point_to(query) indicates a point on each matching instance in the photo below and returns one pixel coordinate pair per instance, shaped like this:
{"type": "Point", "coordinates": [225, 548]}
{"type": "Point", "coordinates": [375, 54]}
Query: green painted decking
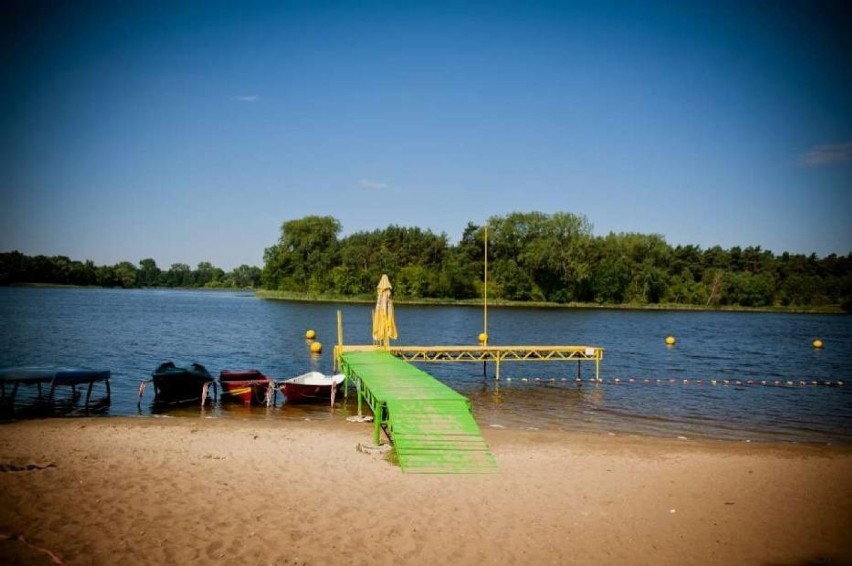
{"type": "Point", "coordinates": [431, 425]}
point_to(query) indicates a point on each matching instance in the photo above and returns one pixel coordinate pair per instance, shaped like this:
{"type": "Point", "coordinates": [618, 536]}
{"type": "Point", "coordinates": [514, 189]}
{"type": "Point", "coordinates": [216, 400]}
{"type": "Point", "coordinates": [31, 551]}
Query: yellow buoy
{"type": "Point", "coordinates": [316, 347]}
{"type": "Point", "coordinates": [310, 334]}
{"type": "Point", "coordinates": [483, 338]}
{"type": "Point", "coordinates": [670, 340]}
{"type": "Point", "coordinates": [817, 343]}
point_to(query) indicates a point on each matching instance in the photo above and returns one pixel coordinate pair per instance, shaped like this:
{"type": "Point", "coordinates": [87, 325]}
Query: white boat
{"type": "Point", "coordinates": [310, 386]}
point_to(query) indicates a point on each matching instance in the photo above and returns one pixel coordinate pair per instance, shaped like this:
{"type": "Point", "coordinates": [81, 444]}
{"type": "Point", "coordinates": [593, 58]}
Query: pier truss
{"type": "Point", "coordinates": [495, 354]}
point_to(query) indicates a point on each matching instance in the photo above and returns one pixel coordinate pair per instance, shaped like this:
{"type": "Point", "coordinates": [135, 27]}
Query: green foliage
{"type": "Point", "coordinates": [532, 256]}
{"type": "Point", "coordinates": [539, 256]}
{"type": "Point", "coordinates": [304, 256]}
{"type": "Point", "coordinates": [149, 274]}
{"type": "Point", "coordinates": [243, 277]}
{"type": "Point", "coordinates": [749, 289]}
{"type": "Point", "coordinates": [15, 267]}
{"type": "Point", "coordinates": [179, 275]}
{"type": "Point", "coordinates": [125, 274]}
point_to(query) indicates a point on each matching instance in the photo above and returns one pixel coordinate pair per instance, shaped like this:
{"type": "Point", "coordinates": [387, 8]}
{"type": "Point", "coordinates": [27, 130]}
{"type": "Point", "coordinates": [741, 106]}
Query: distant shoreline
{"type": "Point", "coordinates": [322, 298]}
{"type": "Point", "coordinates": [319, 298]}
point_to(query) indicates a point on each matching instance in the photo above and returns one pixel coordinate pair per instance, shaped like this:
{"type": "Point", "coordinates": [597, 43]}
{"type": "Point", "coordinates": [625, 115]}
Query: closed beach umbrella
{"type": "Point", "coordinates": [384, 325]}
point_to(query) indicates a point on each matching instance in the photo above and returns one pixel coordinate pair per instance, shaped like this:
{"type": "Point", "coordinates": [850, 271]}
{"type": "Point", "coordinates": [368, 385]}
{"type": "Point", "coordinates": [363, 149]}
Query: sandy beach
{"type": "Point", "coordinates": [228, 491]}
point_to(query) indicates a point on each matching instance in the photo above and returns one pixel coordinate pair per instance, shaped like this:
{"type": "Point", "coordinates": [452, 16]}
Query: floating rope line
{"type": "Point", "coordinates": [686, 381]}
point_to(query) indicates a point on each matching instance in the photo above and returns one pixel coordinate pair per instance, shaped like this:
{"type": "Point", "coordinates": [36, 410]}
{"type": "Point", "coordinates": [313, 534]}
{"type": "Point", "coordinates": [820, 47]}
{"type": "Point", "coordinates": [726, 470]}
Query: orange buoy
{"type": "Point", "coordinates": [316, 348]}
{"type": "Point", "coordinates": [310, 334]}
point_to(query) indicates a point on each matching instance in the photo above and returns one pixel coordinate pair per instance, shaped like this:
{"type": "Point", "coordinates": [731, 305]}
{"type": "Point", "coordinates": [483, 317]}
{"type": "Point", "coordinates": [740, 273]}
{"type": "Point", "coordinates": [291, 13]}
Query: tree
{"type": "Point", "coordinates": [304, 256]}
{"type": "Point", "coordinates": [553, 257]}
{"type": "Point", "coordinates": [125, 274]}
{"type": "Point", "coordinates": [684, 289]}
{"type": "Point", "coordinates": [207, 275]}
{"type": "Point", "coordinates": [179, 275]}
{"type": "Point", "coordinates": [459, 277]}
{"type": "Point", "coordinates": [359, 270]}
{"type": "Point", "coordinates": [548, 254]}
{"type": "Point", "coordinates": [513, 283]}
{"type": "Point", "coordinates": [611, 277]}
{"type": "Point", "coordinates": [413, 281]}
{"type": "Point", "coordinates": [749, 290]}
{"type": "Point", "coordinates": [83, 273]}
{"type": "Point", "coordinates": [244, 277]}
{"type": "Point", "coordinates": [557, 254]}
{"type": "Point", "coordinates": [149, 274]}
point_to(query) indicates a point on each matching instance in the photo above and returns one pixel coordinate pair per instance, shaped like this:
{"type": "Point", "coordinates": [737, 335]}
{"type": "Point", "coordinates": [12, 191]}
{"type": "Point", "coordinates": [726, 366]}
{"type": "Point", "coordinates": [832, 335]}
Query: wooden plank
{"type": "Point", "coordinates": [451, 462]}
{"type": "Point", "coordinates": [420, 446]}
{"type": "Point", "coordinates": [457, 426]}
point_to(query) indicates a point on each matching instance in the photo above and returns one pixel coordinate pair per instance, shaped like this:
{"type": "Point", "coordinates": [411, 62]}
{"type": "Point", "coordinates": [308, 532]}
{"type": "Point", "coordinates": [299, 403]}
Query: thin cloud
{"type": "Point", "coordinates": [248, 98]}
{"type": "Point", "coordinates": [372, 185]}
{"type": "Point", "coordinates": [827, 154]}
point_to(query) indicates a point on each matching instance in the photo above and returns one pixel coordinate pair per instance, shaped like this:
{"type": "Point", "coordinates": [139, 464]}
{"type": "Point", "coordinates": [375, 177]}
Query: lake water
{"type": "Point", "coordinates": [131, 331]}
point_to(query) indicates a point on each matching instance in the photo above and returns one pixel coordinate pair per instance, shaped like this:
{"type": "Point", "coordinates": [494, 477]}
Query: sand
{"type": "Point", "coordinates": [228, 491]}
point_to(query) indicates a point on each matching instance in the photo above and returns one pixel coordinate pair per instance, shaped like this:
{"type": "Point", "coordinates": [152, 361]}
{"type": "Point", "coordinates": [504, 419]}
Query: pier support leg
{"type": "Point", "coordinates": [377, 424]}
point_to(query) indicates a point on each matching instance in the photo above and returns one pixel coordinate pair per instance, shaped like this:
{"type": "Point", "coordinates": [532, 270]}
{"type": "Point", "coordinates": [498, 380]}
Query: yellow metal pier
{"type": "Point", "coordinates": [496, 354]}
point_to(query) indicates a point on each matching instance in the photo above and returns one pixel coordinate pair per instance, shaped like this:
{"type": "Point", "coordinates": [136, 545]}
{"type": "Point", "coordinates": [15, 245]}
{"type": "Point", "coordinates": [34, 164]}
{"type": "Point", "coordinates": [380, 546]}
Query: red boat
{"type": "Point", "coordinates": [249, 386]}
{"type": "Point", "coordinates": [311, 386]}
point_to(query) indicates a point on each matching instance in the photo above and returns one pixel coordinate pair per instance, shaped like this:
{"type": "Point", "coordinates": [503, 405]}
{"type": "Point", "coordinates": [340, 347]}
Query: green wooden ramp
{"type": "Point", "coordinates": [431, 426]}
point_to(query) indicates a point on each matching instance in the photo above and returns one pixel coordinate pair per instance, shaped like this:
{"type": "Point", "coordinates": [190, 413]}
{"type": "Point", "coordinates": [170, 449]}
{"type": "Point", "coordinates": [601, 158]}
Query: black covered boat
{"type": "Point", "coordinates": [174, 384]}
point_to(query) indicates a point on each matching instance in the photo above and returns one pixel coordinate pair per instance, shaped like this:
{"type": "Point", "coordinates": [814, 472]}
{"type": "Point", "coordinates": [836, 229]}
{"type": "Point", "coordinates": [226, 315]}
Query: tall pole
{"type": "Point", "coordinates": [485, 291]}
{"type": "Point", "coordinates": [483, 338]}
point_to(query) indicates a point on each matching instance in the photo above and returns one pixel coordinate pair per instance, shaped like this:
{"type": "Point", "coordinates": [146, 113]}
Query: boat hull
{"type": "Point", "coordinates": [249, 387]}
{"type": "Point", "coordinates": [310, 387]}
{"type": "Point", "coordinates": [175, 385]}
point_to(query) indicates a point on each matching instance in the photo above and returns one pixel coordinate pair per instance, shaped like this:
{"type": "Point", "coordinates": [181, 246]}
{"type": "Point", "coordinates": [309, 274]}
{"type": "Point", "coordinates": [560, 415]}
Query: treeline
{"type": "Point", "coordinates": [532, 257]}
{"type": "Point", "coordinates": [16, 267]}
{"type": "Point", "coordinates": [551, 258]}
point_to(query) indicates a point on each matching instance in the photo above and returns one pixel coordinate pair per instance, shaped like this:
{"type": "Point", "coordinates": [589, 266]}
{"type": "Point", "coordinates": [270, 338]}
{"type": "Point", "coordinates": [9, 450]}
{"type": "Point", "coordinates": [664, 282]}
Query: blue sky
{"type": "Point", "coordinates": [189, 131]}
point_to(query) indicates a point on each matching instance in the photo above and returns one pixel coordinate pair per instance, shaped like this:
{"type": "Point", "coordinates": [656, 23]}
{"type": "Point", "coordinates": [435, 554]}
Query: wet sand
{"type": "Point", "coordinates": [231, 491]}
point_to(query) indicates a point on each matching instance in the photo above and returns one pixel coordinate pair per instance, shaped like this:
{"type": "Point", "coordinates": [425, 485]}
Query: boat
{"type": "Point", "coordinates": [12, 379]}
{"type": "Point", "coordinates": [176, 385]}
{"type": "Point", "coordinates": [311, 386]}
{"type": "Point", "coordinates": [249, 386]}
